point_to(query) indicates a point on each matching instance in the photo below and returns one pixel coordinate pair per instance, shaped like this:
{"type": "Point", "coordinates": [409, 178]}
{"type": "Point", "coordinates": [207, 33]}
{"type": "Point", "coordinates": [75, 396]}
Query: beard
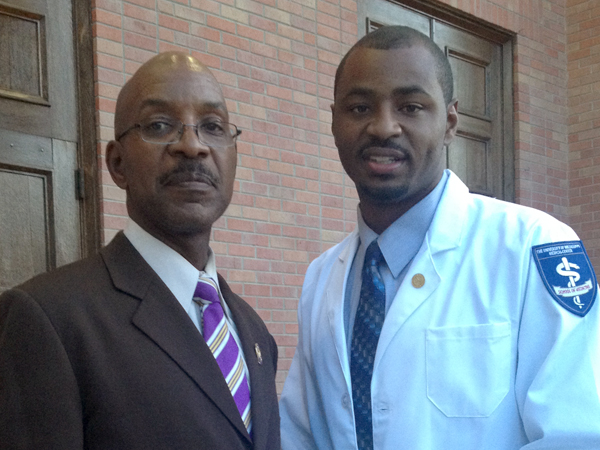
{"type": "Point", "coordinates": [381, 195]}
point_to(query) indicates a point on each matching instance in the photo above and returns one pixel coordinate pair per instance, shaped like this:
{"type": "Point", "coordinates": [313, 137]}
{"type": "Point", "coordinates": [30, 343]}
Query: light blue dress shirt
{"type": "Point", "coordinates": [399, 244]}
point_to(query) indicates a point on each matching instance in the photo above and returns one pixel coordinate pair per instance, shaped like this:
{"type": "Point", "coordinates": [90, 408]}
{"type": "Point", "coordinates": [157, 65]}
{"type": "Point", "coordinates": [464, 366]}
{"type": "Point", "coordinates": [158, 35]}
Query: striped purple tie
{"type": "Point", "coordinates": [223, 346]}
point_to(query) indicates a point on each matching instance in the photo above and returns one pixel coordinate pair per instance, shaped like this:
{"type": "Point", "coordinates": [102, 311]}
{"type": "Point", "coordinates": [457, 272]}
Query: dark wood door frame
{"type": "Point", "coordinates": [88, 180]}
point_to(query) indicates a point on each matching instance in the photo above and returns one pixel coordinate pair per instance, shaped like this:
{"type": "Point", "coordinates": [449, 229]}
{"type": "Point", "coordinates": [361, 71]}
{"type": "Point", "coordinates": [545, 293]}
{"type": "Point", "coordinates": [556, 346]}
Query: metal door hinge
{"type": "Point", "coordinates": [79, 184]}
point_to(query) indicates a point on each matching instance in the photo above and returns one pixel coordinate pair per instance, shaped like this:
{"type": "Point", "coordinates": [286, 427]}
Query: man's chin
{"type": "Point", "coordinates": [381, 195]}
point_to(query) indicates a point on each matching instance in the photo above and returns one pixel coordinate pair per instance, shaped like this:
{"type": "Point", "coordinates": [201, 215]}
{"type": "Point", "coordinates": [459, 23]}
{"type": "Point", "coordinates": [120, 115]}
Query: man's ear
{"type": "Point", "coordinates": [332, 106]}
{"type": "Point", "coordinates": [451, 121]}
{"type": "Point", "coordinates": [115, 163]}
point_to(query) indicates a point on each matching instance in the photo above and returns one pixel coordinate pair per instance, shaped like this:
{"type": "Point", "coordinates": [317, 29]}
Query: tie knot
{"type": "Point", "coordinates": [373, 255]}
{"type": "Point", "coordinates": [206, 290]}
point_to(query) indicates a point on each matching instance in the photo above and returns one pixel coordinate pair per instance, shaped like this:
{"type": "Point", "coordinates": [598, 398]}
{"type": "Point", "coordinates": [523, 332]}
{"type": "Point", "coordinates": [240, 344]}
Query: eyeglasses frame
{"type": "Point", "coordinates": [183, 125]}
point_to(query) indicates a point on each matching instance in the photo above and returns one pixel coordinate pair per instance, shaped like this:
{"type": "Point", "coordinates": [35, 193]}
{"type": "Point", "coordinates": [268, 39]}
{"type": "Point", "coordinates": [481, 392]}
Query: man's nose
{"type": "Point", "coordinates": [385, 124]}
{"type": "Point", "coordinates": [189, 143]}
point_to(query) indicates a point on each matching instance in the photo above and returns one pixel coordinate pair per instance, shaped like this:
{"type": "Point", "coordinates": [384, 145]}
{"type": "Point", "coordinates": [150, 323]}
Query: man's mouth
{"type": "Point", "coordinates": [383, 152]}
{"type": "Point", "coordinates": [383, 159]}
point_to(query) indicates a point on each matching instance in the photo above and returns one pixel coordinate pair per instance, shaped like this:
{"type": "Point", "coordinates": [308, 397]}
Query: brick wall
{"type": "Point", "coordinates": [583, 20]}
{"type": "Point", "coordinates": [276, 61]}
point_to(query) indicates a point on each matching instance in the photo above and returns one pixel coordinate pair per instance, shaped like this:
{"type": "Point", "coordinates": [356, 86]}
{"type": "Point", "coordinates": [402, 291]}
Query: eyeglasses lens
{"type": "Point", "coordinates": [216, 134]}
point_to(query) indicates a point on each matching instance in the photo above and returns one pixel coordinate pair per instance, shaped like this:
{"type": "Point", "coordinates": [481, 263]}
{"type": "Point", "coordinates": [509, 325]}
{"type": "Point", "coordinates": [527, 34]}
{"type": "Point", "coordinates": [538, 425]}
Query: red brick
{"type": "Point", "coordinates": [137, 40]}
{"type": "Point", "coordinates": [261, 23]}
{"type": "Point", "coordinates": [151, 4]}
{"type": "Point", "coordinates": [168, 47]}
{"type": "Point", "coordinates": [108, 5]}
{"type": "Point", "coordinates": [138, 55]}
{"type": "Point", "coordinates": [136, 12]}
{"type": "Point", "coordinates": [235, 41]}
{"type": "Point", "coordinates": [99, 16]}
{"type": "Point", "coordinates": [106, 32]}
{"type": "Point", "coordinates": [304, 24]}
{"type": "Point", "coordinates": [227, 236]}
{"type": "Point", "coordinates": [220, 24]}
{"type": "Point", "coordinates": [174, 23]}
{"type": "Point", "coordinates": [138, 26]}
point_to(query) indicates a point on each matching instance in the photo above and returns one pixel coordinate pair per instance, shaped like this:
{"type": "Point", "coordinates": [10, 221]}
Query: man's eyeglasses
{"type": "Point", "coordinates": [169, 131]}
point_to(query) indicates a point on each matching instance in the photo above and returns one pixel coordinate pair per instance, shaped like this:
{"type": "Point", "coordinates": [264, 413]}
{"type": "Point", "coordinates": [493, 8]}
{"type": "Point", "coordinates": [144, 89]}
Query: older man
{"type": "Point", "coordinates": [144, 346]}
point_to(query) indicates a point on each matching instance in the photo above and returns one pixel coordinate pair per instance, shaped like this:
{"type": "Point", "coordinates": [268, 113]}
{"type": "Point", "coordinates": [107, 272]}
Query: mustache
{"type": "Point", "coordinates": [189, 170]}
{"type": "Point", "coordinates": [385, 143]}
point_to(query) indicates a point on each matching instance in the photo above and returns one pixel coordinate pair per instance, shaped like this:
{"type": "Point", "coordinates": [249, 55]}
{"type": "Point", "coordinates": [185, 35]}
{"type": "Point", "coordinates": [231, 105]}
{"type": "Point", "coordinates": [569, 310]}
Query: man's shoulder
{"type": "Point", "coordinates": [458, 203]}
{"type": "Point", "coordinates": [66, 278]}
{"type": "Point", "coordinates": [503, 210]}
{"type": "Point", "coordinates": [510, 222]}
{"type": "Point", "coordinates": [341, 249]}
{"type": "Point", "coordinates": [62, 295]}
{"type": "Point", "coordinates": [70, 283]}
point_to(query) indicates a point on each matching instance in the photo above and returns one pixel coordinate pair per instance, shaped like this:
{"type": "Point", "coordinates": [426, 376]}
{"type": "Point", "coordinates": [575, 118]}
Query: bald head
{"type": "Point", "coordinates": [161, 68]}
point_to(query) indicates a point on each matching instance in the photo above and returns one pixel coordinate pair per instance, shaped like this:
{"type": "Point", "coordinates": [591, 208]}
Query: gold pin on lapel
{"type": "Point", "coordinates": [418, 280]}
{"type": "Point", "coordinates": [258, 353]}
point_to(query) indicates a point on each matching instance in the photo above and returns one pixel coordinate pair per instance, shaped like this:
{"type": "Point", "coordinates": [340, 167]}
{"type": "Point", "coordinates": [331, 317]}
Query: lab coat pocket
{"type": "Point", "coordinates": [468, 368]}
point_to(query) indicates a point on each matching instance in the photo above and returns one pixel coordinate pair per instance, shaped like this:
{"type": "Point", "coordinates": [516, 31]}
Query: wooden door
{"type": "Point", "coordinates": [40, 213]}
{"type": "Point", "coordinates": [482, 152]}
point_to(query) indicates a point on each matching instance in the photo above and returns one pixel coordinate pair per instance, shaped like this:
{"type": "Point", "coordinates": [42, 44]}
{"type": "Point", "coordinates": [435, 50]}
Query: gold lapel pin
{"type": "Point", "coordinates": [418, 280]}
{"type": "Point", "coordinates": [258, 353]}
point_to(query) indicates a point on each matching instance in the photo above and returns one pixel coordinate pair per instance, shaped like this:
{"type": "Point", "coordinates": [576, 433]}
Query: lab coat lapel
{"type": "Point", "coordinates": [434, 254]}
{"type": "Point", "coordinates": [409, 298]}
{"type": "Point", "coordinates": [163, 320]}
{"type": "Point", "coordinates": [336, 288]}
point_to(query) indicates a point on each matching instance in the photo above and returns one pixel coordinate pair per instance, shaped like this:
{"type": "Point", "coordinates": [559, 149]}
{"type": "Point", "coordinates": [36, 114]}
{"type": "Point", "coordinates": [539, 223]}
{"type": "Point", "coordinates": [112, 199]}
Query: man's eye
{"type": "Point", "coordinates": [158, 127]}
{"type": "Point", "coordinates": [359, 109]}
{"type": "Point", "coordinates": [214, 128]}
{"type": "Point", "coordinates": [411, 108]}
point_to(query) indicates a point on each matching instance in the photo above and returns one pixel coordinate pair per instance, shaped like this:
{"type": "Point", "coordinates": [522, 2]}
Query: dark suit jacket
{"type": "Point", "coordinates": [100, 355]}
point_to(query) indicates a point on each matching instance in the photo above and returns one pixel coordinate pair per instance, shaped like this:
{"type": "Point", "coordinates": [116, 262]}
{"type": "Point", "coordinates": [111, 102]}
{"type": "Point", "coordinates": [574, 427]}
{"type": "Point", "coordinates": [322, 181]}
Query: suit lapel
{"type": "Point", "coordinates": [261, 375]}
{"type": "Point", "coordinates": [161, 317]}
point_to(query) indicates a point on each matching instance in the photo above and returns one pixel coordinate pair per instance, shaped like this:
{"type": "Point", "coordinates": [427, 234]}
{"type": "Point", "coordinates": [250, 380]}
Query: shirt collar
{"type": "Point", "coordinates": [174, 270]}
{"type": "Point", "coordinates": [400, 242]}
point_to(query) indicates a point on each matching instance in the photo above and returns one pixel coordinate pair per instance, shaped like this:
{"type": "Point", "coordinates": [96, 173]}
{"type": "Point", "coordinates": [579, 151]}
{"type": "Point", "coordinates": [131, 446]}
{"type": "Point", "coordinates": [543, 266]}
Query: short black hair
{"type": "Point", "coordinates": [393, 37]}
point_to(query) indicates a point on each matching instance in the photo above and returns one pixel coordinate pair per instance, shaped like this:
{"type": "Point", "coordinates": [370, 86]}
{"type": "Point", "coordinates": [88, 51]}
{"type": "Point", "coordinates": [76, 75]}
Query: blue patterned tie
{"type": "Point", "coordinates": [370, 315]}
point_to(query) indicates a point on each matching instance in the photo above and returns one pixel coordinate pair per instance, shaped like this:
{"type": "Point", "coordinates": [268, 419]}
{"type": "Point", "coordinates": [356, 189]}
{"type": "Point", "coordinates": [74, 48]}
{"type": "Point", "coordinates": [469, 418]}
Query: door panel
{"type": "Point", "coordinates": [477, 67]}
{"type": "Point", "coordinates": [40, 224]}
{"type": "Point", "coordinates": [481, 154]}
{"type": "Point", "coordinates": [468, 158]}
{"type": "Point", "coordinates": [23, 200]}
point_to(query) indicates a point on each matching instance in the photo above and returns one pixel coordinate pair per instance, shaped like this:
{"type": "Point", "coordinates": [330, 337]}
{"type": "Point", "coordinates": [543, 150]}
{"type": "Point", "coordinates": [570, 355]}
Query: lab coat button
{"type": "Point", "coordinates": [383, 407]}
{"type": "Point", "coordinates": [345, 401]}
{"type": "Point", "coordinates": [418, 281]}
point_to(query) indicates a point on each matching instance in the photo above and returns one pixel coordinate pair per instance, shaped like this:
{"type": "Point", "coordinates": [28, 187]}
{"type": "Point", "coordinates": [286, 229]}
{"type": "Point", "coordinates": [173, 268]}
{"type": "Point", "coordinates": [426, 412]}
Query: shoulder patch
{"type": "Point", "coordinates": [567, 274]}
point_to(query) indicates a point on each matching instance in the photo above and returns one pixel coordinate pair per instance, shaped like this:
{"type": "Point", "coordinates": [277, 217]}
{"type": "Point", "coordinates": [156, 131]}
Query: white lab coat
{"type": "Point", "coordinates": [480, 357]}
